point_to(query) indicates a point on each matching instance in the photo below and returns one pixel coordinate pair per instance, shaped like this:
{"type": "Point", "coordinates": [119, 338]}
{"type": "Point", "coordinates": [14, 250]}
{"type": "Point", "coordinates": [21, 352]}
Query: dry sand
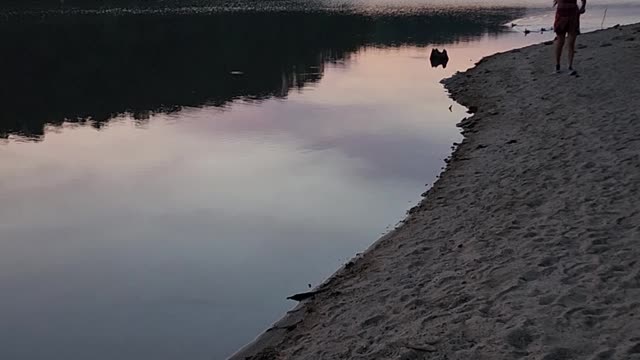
{"type": "Point", "coordinates": [527, 247]}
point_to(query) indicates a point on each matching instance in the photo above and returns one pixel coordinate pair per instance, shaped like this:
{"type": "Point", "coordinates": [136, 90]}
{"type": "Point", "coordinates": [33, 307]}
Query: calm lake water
{"type": "Point", "coordinates": [169, 176]}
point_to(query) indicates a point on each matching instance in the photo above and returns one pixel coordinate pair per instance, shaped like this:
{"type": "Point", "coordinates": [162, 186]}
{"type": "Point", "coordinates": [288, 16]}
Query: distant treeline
{"type": "Point", "coordinates": [93, 3]}
{"type": "Point", "coordinates": [93, 67]}
{"type": "Point", "coordinates": [97, 4]}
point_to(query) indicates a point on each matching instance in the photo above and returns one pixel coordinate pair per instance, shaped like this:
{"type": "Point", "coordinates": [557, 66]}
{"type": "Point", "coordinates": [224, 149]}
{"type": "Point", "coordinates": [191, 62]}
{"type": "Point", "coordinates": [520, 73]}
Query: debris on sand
{"type": "Point", "coordinates": [304, 295]}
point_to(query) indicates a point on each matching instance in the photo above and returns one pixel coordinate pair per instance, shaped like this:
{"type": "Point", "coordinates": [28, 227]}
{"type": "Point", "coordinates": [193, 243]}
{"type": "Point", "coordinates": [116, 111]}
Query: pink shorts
{"type": "Point", "coordinates": [567, 24]}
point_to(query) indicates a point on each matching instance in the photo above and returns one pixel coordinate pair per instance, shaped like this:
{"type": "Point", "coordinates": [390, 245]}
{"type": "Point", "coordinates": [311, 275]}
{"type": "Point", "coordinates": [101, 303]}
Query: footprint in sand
{"type": "Point", "coordinates": [519, 338]}
{"type": "Point", "coordinates": [560, 353]}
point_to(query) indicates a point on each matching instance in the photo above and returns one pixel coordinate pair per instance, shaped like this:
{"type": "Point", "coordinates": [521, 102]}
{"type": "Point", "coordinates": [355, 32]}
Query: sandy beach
{"type": "Point", "coordinates": [527, 246]}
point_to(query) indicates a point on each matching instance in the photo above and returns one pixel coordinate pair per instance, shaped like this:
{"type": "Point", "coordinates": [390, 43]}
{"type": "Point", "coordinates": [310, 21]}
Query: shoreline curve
{"type": "Point", "coordinates": [525, 246]}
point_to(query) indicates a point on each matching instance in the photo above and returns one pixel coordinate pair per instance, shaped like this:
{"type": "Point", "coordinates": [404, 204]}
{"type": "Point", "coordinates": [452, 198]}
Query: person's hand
{"type": "Point", "coordinates": [583, 10]}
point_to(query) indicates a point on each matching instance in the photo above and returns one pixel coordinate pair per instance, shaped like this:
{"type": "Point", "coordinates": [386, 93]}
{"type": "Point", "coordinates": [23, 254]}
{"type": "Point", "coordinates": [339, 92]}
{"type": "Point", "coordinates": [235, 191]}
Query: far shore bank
{"type": "Point", "coordinates": [528, 244]}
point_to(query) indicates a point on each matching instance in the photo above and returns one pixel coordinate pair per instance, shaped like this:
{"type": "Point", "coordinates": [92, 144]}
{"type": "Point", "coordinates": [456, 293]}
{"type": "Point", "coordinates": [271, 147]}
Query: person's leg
{"type": "Point", "coordinates": [571, 48]}
{"type": "Point", "coordinates": [559, 45]}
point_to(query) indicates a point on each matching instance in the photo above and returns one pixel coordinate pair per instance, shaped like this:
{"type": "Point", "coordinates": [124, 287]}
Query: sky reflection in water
{"type": "Point", "coordinates": [175, 225]}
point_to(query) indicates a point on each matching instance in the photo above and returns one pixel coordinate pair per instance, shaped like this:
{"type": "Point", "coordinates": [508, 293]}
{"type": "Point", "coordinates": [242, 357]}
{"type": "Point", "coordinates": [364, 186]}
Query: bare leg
{"type": "Point", "coordinates": [571, 48]}
{"type": "Point", "coordinates": [559, 46]}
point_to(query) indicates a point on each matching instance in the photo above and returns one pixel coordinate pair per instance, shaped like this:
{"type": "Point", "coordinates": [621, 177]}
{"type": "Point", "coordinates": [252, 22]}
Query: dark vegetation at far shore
{"type": "Point", "coordinates": [91, 67]}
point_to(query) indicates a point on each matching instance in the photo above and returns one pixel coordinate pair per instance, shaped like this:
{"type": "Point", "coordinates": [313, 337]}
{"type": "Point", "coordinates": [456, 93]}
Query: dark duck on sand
{"type": "Point", "coordinates": [438, 58]}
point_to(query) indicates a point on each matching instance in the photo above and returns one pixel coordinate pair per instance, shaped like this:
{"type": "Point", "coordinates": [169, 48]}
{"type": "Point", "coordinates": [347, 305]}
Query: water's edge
{"type": "Point", "coordinates": [276, 332]}
{"type": "Point", "coordinates": [271, 338]}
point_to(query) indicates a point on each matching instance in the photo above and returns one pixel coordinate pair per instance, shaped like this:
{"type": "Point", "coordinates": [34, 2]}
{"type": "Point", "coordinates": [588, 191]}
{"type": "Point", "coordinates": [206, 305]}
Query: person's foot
{"type": "Point", "coordinates": [558, 69]}
{"type": "Point", "coordinates": [572, 72]}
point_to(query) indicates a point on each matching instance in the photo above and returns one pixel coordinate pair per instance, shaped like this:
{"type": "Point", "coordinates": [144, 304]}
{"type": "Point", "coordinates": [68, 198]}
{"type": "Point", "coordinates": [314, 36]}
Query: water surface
{"type": "Point", "coordinates": [168, 178]}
